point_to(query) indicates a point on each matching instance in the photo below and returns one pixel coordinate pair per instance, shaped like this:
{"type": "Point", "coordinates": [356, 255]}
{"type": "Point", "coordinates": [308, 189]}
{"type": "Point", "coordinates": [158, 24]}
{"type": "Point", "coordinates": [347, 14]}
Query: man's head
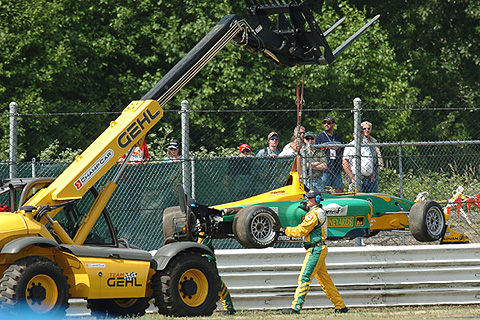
{"type": "Point", "coordinates": [302, 131]}
{"type": "Point", "coordinates": [314, 197]}
{"type": "Point", "coordinates": [245, 150]}
{"type": "Point", "coordinates": [273, 140]}
{"type": "Point", "coordinates": [328, 123]}
{"type": "Point", "coordinates": [174, 148]}
{"type": "Point", "coordinates": [366, 128]}
{"type": "Point", "coordinates": [310, 137]}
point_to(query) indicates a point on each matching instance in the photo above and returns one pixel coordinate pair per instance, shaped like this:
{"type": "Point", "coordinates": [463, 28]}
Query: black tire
{"type": "Point", "coordinates": [372, 233]}
{"type": "Point", "coordinates": [35, 286]}
{"type": "Point", "coordinates": [134, 307]}
{"type": "Point", "coordinates": [173, 216]}
{"type": "Point", "coordinates": [256, 227]}
{"type": "Point", "coordinates": [427, 221]}
{"type": "Point", "coordinates": [187, 287]}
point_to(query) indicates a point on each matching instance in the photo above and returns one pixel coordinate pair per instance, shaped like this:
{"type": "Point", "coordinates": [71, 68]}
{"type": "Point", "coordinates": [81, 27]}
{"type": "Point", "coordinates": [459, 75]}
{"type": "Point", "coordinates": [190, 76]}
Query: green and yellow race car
{"type": "Point", "coordinates": [256, 222]}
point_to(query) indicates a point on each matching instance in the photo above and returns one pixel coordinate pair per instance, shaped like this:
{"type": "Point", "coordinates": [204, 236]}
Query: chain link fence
{"type": "Point", "coordinates": [441, 159]}
{"type": "Point", "coordinates": [144, 191]}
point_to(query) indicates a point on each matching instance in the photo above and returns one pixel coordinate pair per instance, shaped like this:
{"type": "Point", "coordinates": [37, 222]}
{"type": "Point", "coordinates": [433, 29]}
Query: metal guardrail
{"type": "Point", "coordinates": [371, 276]}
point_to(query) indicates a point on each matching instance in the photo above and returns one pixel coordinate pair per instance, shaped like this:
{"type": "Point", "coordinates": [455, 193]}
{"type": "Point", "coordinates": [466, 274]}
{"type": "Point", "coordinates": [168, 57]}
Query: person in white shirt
{"type": "Point", "coordinates": [366, 165]}
{"type": "Point", "coordinates": [296, 133]}
{"type": "Point", "coordinates": [290, 149]}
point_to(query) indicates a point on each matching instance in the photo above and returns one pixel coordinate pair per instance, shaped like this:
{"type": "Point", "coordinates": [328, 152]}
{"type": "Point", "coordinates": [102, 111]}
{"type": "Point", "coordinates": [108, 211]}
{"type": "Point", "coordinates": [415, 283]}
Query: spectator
{"type": "Point", "coordinates": [174, 152]}
{"type": "Point", "coordinates": [377, 157]}
{"type": "Point", "coordinates": [332, 177]}
{"type": "Point", "coordinates": [140, 155]}
{"type": "Point", "coordinates": [290, 149]}
{"type": "Point", "coordinates": [317, 159]}
{"type": "Point", "coordinates": [314, 230]}
{"type": "Point", "coordinates": [238, 181]}
{"type": "Point", "coordinates": [295, 133]}
{"type": "Point", "coordinates": [245, 150]}
{"type": "Point", "coordinates": [366, 165]}
{"type": "Point", "coordinates": [272, 149]}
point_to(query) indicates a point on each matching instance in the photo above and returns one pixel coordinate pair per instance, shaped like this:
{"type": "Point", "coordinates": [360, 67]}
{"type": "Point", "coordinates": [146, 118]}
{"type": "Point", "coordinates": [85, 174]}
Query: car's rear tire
{"type": "Point", "coordinates": [427, 221]}
{"type": "Point", "coordinates": [256, 227]}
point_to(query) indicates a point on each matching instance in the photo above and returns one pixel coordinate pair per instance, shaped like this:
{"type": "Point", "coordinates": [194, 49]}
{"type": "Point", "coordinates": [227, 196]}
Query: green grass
{"type": "Point", "coordinates": [393, 313]}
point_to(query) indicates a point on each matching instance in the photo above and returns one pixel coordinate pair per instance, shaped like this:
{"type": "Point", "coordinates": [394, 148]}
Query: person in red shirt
{"type": "Point", "coordinates": [140, 155]}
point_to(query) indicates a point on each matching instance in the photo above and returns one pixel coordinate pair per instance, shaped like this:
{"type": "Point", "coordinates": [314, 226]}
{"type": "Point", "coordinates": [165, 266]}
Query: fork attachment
{"type": "Point", "coordinates": [288, 34]}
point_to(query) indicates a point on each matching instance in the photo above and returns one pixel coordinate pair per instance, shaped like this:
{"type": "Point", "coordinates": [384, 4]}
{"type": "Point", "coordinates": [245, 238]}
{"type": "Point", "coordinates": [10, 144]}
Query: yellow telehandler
{"type": "Point", "coordinates": [57, 240]}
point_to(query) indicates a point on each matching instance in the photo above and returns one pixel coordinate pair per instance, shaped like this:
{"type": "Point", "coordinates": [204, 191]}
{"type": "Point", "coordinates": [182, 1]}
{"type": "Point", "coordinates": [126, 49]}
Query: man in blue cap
{"type": "Point", "coordinates": [314, 227]}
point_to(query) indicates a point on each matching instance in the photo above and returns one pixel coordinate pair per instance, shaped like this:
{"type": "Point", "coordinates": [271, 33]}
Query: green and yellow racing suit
{"type": "Point", "coordinates": [314, 228]}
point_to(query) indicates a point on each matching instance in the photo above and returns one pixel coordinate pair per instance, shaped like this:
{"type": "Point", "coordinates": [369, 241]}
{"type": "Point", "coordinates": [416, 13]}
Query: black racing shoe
{"type": "Point", "coordinates": [343, 310]}
{"type": "Point", "coordinates": [290, 311]}
{"type": "Point", "coordinates": [229, 312]}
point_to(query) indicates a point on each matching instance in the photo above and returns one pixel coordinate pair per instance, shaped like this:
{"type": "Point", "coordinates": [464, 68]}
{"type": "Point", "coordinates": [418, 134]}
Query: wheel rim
{"type": "Point", "coordinates": [434, 222]}
{"type": "Point", "coordinates": [193, 287]}
{"type": "Point", "coordinates": [262, 228]}
{"type": "Point", "coordinates": [41, 293]}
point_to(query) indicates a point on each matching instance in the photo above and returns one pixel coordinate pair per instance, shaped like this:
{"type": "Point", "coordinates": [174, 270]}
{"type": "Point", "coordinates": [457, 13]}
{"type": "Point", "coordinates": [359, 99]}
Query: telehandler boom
{"type": "Point", "coordinates": [58, 242]}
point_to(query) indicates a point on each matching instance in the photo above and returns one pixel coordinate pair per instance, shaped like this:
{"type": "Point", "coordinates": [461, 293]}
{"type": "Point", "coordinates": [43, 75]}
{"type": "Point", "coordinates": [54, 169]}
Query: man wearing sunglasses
{"type": "Point", "coordinates": [332, 177]}
{"type": "Point", "coordinates": [287, 149]}
{"type": "Point", "coordinates": [272, 149]}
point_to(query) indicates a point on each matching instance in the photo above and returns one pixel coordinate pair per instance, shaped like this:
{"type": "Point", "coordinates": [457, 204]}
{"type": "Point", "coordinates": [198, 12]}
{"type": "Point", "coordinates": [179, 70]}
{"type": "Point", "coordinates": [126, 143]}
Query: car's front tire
{"type": "Point", "coordinates": [256, 227]}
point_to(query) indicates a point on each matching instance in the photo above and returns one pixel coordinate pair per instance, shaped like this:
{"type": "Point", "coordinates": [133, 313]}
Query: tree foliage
{"type": "Point", "coordinates": [58, 55]}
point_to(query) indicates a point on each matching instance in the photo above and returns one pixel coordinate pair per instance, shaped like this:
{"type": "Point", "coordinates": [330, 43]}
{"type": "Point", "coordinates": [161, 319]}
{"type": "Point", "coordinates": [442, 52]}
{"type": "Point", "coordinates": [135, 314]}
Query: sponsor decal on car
{"type": "Point", "coordinates": [359, 221]}
{"type": "Point", "coordinates": [334, 209]}
{"type": "Point", "coordinates": [274, 209]}
{"type": "Point", "coordinates": [341, 222]}
{"type": "Point", "coordinates": [289, 239]}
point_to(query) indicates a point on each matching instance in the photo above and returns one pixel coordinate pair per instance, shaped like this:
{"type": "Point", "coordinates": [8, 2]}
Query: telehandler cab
{"type": "Point", "coordinates": [58, 242]}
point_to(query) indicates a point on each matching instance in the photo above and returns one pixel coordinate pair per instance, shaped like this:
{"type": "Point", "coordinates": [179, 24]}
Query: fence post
{"type": "Point", "coordinates": [357, 138]}
{"type": "Point", "coordinates": [357, 120]}
{"type": "Point", "coordinates": [13, 139]}
{"type": "Point", "coordinates": [187, 180]}
{"type": "Point", "coordinates": [34, 169]}
{"type": "Point", "coordinates": [400, 169]}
